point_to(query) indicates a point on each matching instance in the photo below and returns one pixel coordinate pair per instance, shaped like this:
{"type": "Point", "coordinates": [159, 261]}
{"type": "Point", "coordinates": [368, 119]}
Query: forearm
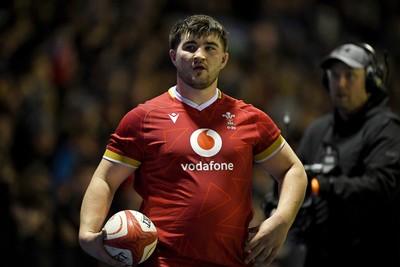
{"type": "Point", "coordinates": [95, 205]}
{"type": "Point", "coordinates": [271, 233]}
{"type": "Point", "coordinates": [100, 193]}
{"type": "Point", "coordinates": [292, 189]}
{"type": "Point", "coordinates": [289, 172]}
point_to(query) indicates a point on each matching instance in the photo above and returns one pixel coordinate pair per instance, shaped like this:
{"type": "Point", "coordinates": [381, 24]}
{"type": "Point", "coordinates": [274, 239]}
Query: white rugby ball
{"type": "Point", "coordinates": [131, 237]}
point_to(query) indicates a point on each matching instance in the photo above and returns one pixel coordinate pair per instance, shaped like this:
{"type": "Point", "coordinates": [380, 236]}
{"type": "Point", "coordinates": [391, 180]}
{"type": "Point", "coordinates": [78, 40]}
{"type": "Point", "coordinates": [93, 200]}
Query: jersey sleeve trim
{"type": "Point", "coordinates": [271, 150]}
{"type": "Point", "coordinates": [114, 157]}
{"type": "Point", "coordinates": [171, 92]}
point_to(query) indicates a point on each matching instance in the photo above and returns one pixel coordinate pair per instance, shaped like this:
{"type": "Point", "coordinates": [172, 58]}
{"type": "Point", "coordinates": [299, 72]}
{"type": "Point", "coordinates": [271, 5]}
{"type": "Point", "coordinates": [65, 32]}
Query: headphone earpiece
{"type": "Point", "coordinates": [373, 71]}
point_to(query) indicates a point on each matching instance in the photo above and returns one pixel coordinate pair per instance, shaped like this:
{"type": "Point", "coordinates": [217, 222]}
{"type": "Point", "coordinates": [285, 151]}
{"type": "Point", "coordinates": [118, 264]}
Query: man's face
{"type": "Point", "coordinates": [199, 60]}
{"type": "Point", "coordinates": [347, 87]}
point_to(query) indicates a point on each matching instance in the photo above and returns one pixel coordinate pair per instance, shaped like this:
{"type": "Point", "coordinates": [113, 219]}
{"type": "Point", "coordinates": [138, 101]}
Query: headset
{"type": "Point", "coordinates": [373, 71]}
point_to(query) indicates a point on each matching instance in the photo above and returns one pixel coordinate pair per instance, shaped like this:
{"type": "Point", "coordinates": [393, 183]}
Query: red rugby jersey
{"type": "Point", "coordinates": [194, 173]}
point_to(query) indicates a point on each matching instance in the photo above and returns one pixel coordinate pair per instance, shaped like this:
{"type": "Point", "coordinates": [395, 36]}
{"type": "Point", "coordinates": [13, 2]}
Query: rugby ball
{"type": "Point", "coordinates": [131, 237]}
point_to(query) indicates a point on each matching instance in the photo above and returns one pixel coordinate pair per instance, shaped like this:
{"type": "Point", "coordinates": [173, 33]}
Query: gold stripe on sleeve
{"type": "Point", "coordinates": [112, 156]}
{"type": "Point", "coordinates": [271, 150]}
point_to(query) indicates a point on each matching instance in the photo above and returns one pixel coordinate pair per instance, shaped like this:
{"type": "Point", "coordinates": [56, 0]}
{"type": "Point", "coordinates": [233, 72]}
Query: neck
{"type": "Point", "coordinates": [198, 96]}
{"type": "Point", "coordinates": [343, 114]}
{"type": "Point", "coordinates": [347, 115]}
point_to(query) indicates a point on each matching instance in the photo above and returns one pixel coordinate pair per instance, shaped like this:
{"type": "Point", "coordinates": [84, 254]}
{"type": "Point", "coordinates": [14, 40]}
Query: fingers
{"type": "Point", "coordinates": [260, 253]}
{"type": "Point", "coordinates": [264, 243]}
{"type": "Point", "coordinates": [263, 258]}
{"type": "Point", "coordinates": [266, 260]}
{"type": "Point", "coordinates": [93, 245]}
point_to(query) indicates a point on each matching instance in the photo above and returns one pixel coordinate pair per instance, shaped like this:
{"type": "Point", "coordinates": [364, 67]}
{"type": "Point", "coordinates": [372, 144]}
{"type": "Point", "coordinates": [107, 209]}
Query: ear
{"type": "Point", "coordinates": [172, 56]}
{"type": "Point", "coordinates": [225, 60]}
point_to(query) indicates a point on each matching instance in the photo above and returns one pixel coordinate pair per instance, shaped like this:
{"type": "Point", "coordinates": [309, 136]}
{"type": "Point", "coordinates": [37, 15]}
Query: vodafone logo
{"type": "Point", "coordinates": [206, 142]}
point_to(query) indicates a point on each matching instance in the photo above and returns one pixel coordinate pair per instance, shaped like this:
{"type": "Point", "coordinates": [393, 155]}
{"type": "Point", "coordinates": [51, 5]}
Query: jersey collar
{"type": "Point", "coordinates": [174, 93]}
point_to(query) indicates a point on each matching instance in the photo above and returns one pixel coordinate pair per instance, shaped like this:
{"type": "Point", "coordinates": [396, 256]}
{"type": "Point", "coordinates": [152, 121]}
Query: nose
{"type": "Point", "coordinates": [341, 80]}
{"type": "Point", "coordinates": [338, 80]}
{"type": "Point", "coordinates": [199, 54]}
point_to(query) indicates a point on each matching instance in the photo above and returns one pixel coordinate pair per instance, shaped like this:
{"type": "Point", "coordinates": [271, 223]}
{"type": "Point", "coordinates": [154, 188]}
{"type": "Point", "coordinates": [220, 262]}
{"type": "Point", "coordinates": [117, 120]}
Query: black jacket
{"type": "Point", "coordinates": [356, 219]}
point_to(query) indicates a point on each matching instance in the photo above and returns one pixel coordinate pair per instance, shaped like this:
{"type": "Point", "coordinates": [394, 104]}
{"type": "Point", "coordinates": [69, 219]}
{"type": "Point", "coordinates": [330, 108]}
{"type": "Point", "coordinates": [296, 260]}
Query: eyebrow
{"type": "Point", "coordinates": [207, 43]}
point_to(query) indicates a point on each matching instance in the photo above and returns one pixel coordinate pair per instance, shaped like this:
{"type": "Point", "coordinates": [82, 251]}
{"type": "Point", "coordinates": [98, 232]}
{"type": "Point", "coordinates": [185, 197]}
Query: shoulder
{"type": "Point", "coordinates": [316, 130]}
{"type": "Point", "coordinates": [137, 116]}
{"type": "Point", "coordinates": [381, 121]}
{"type": "Point", "coordinates": [383, 116]}
{"type": "Point", "coordinates": [163, 101]}
{"type": "Point", "coordinates": [231, 102]}
{"type": "Point", "coordinates": [322, 122]}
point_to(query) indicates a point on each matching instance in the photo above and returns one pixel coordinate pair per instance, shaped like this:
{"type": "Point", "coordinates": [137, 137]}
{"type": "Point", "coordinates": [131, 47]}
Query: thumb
{"type": "Point", "coordinates": [252, 232]}
{"type": "Point", "coordinates": [103, 233]}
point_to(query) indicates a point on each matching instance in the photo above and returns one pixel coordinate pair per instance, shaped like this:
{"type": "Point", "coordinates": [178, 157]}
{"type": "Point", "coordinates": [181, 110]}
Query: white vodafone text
{"type": "Point", "coordinates": [204, 166]}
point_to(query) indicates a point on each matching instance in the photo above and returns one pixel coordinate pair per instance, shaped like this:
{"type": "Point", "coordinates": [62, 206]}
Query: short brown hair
{"type": "Point", "coordinates": [198, 26]}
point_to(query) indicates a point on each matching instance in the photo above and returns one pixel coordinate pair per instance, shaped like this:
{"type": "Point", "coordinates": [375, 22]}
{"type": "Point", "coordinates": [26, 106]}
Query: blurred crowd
{"type": "Point", "coordinates": [69, 71]}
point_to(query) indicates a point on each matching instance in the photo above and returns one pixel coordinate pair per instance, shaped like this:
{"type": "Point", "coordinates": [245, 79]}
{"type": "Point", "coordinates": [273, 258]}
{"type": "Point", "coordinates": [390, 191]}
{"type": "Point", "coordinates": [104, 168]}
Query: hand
{"type": "Point", "coordinates": [92, 244]}
{"type": "Point", "coordinates": [265, 241]}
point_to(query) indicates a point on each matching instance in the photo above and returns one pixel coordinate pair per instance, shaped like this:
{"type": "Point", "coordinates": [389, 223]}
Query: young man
{"type": "Point", "coordinates": [354, 152]}
{"type": "Point", "coordinates": [191, 151]}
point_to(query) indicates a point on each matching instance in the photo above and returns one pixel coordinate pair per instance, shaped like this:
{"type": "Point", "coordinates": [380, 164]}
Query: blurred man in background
{"type": "Point", "coordinates": [353, 161]}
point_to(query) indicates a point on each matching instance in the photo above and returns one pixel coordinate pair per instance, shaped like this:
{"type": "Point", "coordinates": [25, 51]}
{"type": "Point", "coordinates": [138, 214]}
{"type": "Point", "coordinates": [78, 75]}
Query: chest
{"type": "Point", "coordinates": [348, 152]}
{"type": "Point", "coordinates": [216, 134]}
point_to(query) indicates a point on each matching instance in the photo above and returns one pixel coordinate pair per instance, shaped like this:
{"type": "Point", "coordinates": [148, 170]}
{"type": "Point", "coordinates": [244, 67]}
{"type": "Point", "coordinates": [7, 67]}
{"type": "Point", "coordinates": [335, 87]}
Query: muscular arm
{"type": "Point", "coordinates": [95, 206]}
{"type": "Point", "coordinates": [289, 172]}
{"type": "Point", "coordinates": [287, 169]}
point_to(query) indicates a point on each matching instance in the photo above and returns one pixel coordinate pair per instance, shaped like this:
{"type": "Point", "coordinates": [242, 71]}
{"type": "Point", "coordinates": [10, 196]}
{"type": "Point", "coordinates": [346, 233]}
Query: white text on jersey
{"type": "Point", "coordinates": [211, 166]}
